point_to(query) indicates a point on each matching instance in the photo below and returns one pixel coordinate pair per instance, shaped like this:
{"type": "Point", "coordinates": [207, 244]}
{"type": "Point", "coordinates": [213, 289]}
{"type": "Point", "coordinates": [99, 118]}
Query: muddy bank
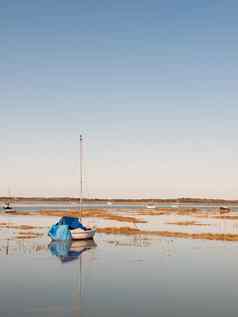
{"type": "Point", "coordinates": [95, 213]}
{"type": "Point", "coordinates": [187, 223]}
{"type": "Point", "coordinates": [29, 235]}
{"type": "Point", "coordinates": [167, 211]}
{"type": "Point", "coordinates": [16, 226]}
{"type": "Point", "coordinates": [230, 217]}
{"type": "Point", "coordinates": [169, 234]}
{"type": "Point", "coordinates": [64, 199]}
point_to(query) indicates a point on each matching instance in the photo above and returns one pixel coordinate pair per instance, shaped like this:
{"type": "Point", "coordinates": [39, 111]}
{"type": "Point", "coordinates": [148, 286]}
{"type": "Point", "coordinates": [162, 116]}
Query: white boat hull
{"type": "Point", "coordinates": [10, 211]}
{"type": "Point", "coordinates": [79, 234]}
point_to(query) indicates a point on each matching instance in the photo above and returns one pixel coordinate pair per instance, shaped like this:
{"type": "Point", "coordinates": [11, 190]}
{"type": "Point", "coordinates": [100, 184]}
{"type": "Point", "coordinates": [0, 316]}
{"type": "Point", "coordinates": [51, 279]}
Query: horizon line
{"type": "Point", "coordinates": [174, 199]}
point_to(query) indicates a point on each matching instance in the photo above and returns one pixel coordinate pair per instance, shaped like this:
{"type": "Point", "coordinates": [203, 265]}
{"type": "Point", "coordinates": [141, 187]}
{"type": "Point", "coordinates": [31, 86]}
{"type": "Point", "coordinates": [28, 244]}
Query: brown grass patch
{"type": "Point", "coordinates": [155, 212]}
{"type": "Point", "coordinates": [15, 226]}
{"type": "Point", "coordinates": [169, 234]}
{"type": "Point", "coordinates": [187, 223]}
{"type": "Point", "coordinates": [226, 217]}
{"type": "Point", "coordinates": [203, 215]}
{"type": "Point", "coordinates": [95, 213]}
{"type": "Point", "coordinates": [26, 213]}
{"type": "Point", "coordinates": [166, 211]}
{"type": "Point", "coordinates": [27, 227]}
{"type": "Point", "coordinates": [184, 212]}
{"type": "Point", "coordinates": [119, 230]}
{"type": "Point", "coordinates": [3, 224]}
{"type": "Point", "coordinates": [28, 235]}
{"type": "Point", "coordinates": [109, 216]}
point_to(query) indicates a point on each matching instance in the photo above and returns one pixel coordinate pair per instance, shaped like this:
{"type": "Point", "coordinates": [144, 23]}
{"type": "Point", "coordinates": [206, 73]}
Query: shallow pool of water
{"type": "Point", "coordinates": [119, 276]}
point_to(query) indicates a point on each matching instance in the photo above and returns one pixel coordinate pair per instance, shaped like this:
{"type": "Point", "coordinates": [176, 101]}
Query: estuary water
{"type": "Point", "coordinates": [119, 276]}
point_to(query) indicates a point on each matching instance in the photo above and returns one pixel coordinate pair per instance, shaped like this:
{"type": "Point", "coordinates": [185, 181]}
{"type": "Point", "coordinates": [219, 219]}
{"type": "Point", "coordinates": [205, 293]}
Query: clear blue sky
{"type": "Point", "coordinates": [151, 84]}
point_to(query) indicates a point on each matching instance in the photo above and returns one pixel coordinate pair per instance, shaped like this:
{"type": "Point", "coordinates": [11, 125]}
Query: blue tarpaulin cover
{"type": "Point", "coordinates": [72, 222]}
{"type": "Point", "coordinates": [61, 230]}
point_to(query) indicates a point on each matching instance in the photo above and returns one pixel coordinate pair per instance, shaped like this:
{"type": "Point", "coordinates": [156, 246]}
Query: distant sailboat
{"type": "Point", "coordinates": [150, 205]}
{"type": "Point", "coordinates": [7, 206]}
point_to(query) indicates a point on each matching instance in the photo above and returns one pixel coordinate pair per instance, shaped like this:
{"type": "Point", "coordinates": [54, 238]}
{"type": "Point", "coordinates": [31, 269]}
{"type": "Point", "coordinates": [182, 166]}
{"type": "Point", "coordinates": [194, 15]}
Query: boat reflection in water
{"type": "Point", "coordinates": [68, 251]}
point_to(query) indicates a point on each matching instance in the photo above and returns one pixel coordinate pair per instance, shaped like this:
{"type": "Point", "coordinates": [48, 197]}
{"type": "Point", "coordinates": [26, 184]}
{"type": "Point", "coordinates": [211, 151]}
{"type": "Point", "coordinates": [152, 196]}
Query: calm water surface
{"type": "Point", "coordinates": [119, 276]}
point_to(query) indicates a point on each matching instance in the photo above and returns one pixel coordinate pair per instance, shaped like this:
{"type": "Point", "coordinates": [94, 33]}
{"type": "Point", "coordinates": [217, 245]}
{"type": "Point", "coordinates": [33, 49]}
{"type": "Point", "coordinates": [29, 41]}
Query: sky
{"type": "Point", "coordinates": [151, 85]}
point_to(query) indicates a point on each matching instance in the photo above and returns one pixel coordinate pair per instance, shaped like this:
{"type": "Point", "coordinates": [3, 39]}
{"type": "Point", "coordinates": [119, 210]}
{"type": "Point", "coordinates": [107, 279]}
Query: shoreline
{"type": "Point", "coordinates": [184, 200]}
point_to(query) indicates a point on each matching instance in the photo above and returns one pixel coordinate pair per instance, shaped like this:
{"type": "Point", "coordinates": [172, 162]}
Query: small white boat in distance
{"type": "Point", "coordinates": [79, 234]}
{"type": "Point", "coordinates": [109, 203]}
{"type": "Point", "coordinates": [7, 206]}
{"type": "Point", "coordinates": [149, 206]}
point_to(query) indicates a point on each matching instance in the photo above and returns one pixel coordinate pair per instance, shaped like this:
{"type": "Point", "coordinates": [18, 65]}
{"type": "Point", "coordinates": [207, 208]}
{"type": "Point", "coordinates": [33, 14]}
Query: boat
{"type": "Point", "coordinates": [72, 228]}
{"type": "Point", "coordinates": [150, 206]}
{"type": "Point", "coordinates": [79, 234]}
{"type": "Point", "coordinates": [89, 232]}
{"type": "Point", "coordinates": [7, 206]}
{"type": "Point", "coordinates": [224, 209]}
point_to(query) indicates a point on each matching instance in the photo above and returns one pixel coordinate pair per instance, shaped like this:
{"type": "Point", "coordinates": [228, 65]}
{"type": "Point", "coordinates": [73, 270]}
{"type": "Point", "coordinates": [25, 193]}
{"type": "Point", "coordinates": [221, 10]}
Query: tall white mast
{"type": "Point", "coordinates": [81, 175]}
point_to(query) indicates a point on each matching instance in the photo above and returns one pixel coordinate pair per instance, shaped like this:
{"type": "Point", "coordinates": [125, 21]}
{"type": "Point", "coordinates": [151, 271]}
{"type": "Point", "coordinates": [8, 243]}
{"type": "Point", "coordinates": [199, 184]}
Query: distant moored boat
{"type": "Point", "coordinates": [224, 209]}
{"type": "Point", "coordinates": [7, 206]}
{"type": "Point", "coordinates": [150, 206]}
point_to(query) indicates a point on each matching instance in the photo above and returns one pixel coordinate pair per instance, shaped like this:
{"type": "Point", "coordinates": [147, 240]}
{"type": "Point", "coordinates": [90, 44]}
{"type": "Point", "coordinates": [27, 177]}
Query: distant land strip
{"type": "Point", "coordinates": [119, 200]}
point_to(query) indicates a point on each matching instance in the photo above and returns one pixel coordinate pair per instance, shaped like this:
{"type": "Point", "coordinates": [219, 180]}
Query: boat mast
{"type": "Point", "coordinates": [81, 175]}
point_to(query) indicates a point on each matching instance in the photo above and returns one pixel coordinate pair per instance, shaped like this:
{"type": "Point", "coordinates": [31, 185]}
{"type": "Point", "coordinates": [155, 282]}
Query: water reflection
{"type": "Point", "coordinates": [68, 251]}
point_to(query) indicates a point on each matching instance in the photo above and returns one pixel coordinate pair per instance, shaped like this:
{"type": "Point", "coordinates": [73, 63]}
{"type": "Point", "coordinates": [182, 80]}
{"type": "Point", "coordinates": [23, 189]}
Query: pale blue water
{"type": "Point", "coordinates": [122, 276]}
